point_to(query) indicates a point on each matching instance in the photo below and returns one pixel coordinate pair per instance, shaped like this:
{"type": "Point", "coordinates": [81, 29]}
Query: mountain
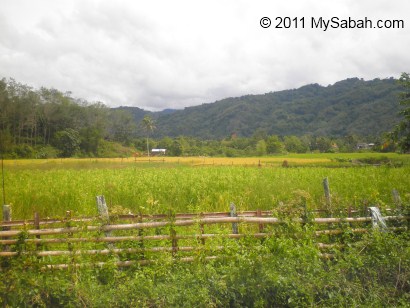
{"type": "Point", "coordinates": [351, 106]}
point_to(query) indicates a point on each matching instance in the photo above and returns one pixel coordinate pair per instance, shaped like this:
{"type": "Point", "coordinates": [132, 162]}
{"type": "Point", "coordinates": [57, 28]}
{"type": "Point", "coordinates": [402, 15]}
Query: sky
{"type": "Point", "coordinates": [162, 54]}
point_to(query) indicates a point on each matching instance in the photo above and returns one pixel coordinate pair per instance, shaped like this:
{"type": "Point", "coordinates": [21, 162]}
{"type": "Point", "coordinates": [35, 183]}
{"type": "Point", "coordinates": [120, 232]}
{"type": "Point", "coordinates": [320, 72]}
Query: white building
{"type": "Point", "coordinates": [158, 151]}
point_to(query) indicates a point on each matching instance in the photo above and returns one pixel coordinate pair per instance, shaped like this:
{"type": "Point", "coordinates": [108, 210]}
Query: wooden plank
{"type": "Point", "coordinates": [131, 238]}
{"type": "Point", "coordinates": [146, 225]}
{"type": "Point", "coordinates": [51, 253]}
{"type": "Point", "coordinates": [126, 263]}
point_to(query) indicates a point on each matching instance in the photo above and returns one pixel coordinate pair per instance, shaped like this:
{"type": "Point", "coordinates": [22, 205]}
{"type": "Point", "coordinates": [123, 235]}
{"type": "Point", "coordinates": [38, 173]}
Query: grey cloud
{"type": "Point", "coordinates": [165, 54]}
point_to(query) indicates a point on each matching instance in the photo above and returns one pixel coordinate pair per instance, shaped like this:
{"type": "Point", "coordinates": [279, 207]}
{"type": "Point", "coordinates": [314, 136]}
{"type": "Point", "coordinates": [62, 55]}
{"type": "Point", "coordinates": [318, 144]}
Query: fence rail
{"type": "Point", "coordinates": [135, 238]}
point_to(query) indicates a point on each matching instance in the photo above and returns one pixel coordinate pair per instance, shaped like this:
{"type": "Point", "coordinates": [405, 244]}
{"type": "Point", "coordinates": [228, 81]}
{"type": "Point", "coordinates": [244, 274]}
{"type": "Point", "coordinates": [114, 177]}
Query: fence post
{"type": "Point", "coordinates": [396, 197]}
{"type": "Point", "coordinates": [233, 213]}
{"type": "Point", "coordinates": [102, 207]}
{"type": "Point", "coordinates": [173, 233]}
{"type": "Point", "coordinates": [6, 218]}
{"type": "Point", "coordinates": [202, 228]}
{"type": "Point", "coordinates": [141, 235]}
{"type": "Point", "coordinates": [103, 212]}
{"type": "Point", "coordinates": [69, 235]}
{"type": "Point", "coordinates": [259, 214]}
{"type": "Point", "coordinates": [327, 192]}
{"type": "Point", "coordinates": [6, 215]}
{"type": "Point", "coordinates": [37, 227]}
{"type": "Point", "coordinates": [349, 211]}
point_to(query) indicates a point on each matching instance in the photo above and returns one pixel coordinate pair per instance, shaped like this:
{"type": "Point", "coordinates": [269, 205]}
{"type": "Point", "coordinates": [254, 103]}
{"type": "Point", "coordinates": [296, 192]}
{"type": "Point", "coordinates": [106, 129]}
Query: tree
{"type": "Point", "coordinates": [261, 147]}
{"type": "Point", "coordinates": [149, 126]}
{"type": "Point", "coordinates": [121, 126]}
{"type": "Point", "coordinates": [67, 141]}
{"type": "Point", "coordinates": [274, 145]}
{"type": "Point", "coordinates": [401, 133]}
{"type": "Point", "coordinates": [323, 144]}
{"type": "Point", "coordinates": [294, 145]}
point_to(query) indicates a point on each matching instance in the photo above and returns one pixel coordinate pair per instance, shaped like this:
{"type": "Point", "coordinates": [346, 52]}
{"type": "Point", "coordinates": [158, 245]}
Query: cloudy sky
{"type": "Point", "coordinates": [171, 54]}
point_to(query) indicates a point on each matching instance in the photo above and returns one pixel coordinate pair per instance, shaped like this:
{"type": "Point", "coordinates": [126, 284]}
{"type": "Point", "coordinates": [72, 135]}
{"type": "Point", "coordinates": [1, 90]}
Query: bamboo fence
{"type": "Point", "coordinates": [135, 239]}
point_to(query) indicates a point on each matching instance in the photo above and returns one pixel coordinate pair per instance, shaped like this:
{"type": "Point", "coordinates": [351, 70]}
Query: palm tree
{"type": "Point", "coordinates": [149, 126]}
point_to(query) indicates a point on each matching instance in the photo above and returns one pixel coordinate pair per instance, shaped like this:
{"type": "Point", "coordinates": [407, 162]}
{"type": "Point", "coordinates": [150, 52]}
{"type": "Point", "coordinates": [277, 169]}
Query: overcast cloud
{"type": "Point", "coordinates": [171, 54]}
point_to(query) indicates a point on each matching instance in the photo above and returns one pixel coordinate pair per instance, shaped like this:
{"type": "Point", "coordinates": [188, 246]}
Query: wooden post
{"type": "Point", "coordinates": [37, 227]}
{"type": "Point", "coordinates": [327, 191]}
{"type": "Point", "coordinates": [259, 214]}
{"type": "Point", "coordinates": [305, 211]}
{"type": "Point", "coordinates": [174, 240]}
{"type": "Point", "coordinates": [102, 207]}
{"type": "Point", "coordinates": [6, 218]}
{"type": "Point", "coordinates": [233, 213]}
{"type": "Point", "coordinates": [6, 215]}
{"type": "Point", "coordinates": [172, 232]}
{"type": "Point", "coordinates": [36, 221]}
{"type": "Point", "coordinates": [68, 218]}
{"type": "Point", "coordinates": [349, 211]}
{"type": "Point", "coordinates": [141, 235]}
{"type": "Point", "coordinates": [202, 228]}
{"type": "Point", "coordinates": [103, 212]}
{"type": "Point", "coordinates": [396, 197]}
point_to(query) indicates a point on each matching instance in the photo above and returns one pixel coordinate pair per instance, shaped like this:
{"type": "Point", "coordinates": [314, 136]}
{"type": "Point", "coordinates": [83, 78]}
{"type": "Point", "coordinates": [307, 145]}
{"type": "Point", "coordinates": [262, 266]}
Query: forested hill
{"type": "Point", "coordinates": [351, 106]}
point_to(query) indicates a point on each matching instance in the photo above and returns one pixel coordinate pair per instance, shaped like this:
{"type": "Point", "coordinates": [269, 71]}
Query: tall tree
{"type": "Point", "coordinates": [401, 133]}
{"type": "Point", "coordinates": [149, 126]}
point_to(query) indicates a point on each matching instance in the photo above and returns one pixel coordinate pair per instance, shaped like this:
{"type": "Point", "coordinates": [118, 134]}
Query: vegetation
{"type": "Point", "coordinates": [149, 126]}
{"type": "Point", "coordinates": [199, 184]}
{"type": "Point", "coordinates": [281, 271]}
{"type": "Point", "coordinates": [401, 134]}
{"type": "Point", "coordinates": [349, 107]}
{"type": "Point", "coordinates": [372, 274]}
{"type": "Point", "coordinates": [47, 123]}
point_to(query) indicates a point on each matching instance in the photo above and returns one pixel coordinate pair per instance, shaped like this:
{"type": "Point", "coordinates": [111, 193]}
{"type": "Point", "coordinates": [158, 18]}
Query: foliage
{"type": "Point", "coordinates": [401, 133]}
{"type": "Point", "coordinates": [67, 141]}
{"type": "Point", "coordinates": [31, 120]}
{"type": "Point", "coordinates": [149, 126]}
{"type": "Point", "coordinates": [280, 271]}
{"type": "Point", "coordinates": [349, 107]}
{"type": "Point", "coordinates": [312, 118]}
{"type": "Point", "coordinates": [261, 147]}
{"type": "Point", "coordinates": [52, 187]}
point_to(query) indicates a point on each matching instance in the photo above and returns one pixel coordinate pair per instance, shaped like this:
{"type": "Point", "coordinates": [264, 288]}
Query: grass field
{"type": "Point", "coordinates": [284, 270]}
{"type": "Point", "coordinates": [188, 184]}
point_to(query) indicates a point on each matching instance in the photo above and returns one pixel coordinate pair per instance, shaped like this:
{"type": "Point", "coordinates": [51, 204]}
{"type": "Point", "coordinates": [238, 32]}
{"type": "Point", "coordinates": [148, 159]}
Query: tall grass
{"type": "Point", "coordinates": [280, 271]}
{"type": "Point", "coordinates": [156, 188]}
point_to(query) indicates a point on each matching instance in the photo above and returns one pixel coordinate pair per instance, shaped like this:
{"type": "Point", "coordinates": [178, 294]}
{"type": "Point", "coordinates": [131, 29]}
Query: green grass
{"type": "Point", "coordinates": [53, 188]}
{"type": "Point", "coordinates": [281, 271]}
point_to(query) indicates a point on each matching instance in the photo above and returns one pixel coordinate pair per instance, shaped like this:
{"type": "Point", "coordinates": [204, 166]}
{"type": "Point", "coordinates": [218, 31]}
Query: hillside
{"type": "Point", "coordinates": [351, 106]}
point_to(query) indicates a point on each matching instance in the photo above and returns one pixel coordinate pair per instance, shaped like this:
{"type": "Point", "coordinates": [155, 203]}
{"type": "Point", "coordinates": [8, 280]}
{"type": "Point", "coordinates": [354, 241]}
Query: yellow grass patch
{"type": "Point", "coordinates": [193, 161]}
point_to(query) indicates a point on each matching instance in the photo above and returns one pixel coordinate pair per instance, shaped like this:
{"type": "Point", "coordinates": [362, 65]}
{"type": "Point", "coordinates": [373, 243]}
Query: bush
{"type": "Point", "coordinates": [23, 151]}
{"type": "Point", "coordinates": [280, 271]}
{"type": "Point", "coordinates": [47, 152]}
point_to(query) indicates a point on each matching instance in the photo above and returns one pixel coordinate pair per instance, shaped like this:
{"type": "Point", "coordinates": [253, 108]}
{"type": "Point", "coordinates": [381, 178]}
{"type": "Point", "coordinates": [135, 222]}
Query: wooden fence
{"type": "Point", "coordinates": [137, 239]}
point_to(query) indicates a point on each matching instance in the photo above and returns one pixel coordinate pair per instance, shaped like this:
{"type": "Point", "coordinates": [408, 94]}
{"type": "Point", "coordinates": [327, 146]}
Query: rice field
{"type": "Point", "coordinates": [195, 184]}
{"type": "Point", "coordinates": [284, 270]}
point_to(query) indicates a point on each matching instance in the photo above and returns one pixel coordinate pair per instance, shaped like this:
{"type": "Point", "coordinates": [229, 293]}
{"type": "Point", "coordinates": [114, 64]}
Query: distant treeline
{"type": "Point", "coordinates": [349, 107]}
{"type": "Point", "coordinates": [47, 123]}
